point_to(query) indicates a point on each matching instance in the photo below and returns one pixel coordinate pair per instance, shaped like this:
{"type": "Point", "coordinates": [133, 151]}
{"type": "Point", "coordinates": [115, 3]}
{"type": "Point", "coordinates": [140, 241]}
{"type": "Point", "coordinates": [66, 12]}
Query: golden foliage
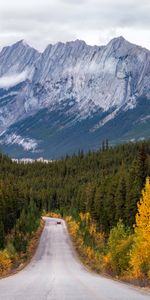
{"type": "Point", "coordinates": [85, 217]}
{"type": "Point", "coordinates": [5, 262]}
{"type": "Point", "coordinates": [140, 254]}
{"type": "Point", "coordinates": [122, 250]}
{"type": "Point", "coordinates": [53, 215]}
{"type": "Point", "coordinates": [73, 226]}
{"type": "Point", "coordinates": [106, 263]}
{"type": "Point", "coordinates": [90, 256]}
{"type": "Point", "coordinates": [92, 229]}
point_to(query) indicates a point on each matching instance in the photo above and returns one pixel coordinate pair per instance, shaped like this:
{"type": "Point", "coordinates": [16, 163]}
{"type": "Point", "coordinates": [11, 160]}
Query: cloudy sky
{"type": "Point", "coordinates": [41, 22]}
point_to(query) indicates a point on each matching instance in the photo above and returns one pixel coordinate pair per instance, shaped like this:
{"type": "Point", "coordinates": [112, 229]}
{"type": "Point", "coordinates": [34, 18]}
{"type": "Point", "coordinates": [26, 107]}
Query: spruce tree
{"type": "Point", "coordinates": [2, 237]}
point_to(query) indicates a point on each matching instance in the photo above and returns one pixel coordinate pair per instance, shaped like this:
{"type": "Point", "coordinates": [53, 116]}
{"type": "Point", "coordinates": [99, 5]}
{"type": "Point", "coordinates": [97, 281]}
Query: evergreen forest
{"type": "Point", "coordinates": [106, 184]}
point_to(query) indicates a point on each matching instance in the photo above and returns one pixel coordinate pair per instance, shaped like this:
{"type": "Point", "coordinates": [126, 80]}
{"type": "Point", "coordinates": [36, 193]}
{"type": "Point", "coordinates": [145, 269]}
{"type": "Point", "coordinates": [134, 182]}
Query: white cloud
{"type": "Point", "coordinates": [97, 21]}
{"type": "Point", "coordinates": [13, 79]}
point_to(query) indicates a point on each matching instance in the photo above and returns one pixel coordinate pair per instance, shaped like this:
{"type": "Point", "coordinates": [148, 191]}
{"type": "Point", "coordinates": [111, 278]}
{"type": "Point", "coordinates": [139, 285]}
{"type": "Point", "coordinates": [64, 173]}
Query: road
{"type": "Point", "coordinates": [55, 273]}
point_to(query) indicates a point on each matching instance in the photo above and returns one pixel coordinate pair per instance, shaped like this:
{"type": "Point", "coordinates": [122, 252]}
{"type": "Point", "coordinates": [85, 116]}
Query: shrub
{"type": "Point", "coordinates": [119, 246]}
{"type": "Point", "coordinates": [20, 243]}
{"type": "Point", "coordinates": [5, 262]}
{"type": "Point", "coordinates": [11, 250]}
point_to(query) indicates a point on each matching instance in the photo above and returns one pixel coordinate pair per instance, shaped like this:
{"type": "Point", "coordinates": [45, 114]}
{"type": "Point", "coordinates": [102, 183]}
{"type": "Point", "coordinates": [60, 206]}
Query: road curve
{"type": "Point", "coordinates": [56, 274]}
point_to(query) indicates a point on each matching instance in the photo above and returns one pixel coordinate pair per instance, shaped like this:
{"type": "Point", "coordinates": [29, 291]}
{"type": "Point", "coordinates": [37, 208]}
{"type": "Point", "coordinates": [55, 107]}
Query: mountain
{"type": "Point", "coordinates": [72, 96]}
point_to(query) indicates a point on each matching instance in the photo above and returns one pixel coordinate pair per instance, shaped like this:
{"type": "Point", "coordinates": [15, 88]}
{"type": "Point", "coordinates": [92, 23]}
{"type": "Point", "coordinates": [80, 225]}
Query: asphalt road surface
{"type": "Point", "coordinates": [55, 273]}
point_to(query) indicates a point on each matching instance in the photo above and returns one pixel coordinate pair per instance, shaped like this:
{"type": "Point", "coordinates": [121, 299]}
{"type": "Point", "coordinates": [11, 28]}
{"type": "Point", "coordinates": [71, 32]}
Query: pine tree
{"type": "Point", "coordinates": [103, 146]}
{"type": "Point", "coordinates": [2, 238]}
{"type": "Point", "coordinates": [142, 165]}
{"type": "Point", "coordinates": [107, 144]}
{"type": "Point", "coordinates": [120, 199]}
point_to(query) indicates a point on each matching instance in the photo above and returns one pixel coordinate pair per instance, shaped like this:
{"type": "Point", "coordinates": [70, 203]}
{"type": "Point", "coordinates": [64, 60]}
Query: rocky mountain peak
{"type": "Point", "coordinates": [16, 58]}
{"type": "Point", "coordinates": [73, 79]}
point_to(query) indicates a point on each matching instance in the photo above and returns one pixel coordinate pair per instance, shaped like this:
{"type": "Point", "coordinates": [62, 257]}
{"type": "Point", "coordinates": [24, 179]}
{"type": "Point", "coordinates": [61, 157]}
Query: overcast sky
{"type": "Point", "coordinates": [41, 22]}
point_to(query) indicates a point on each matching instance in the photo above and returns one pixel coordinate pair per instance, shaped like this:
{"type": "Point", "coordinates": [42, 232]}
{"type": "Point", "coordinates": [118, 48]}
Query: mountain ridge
{"type": "Point", "coordinates": [76, 85]}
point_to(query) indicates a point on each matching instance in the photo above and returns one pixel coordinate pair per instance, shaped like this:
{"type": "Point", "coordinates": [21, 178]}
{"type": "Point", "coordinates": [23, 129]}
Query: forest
{"type": "Point", "coordinates": [105, 185]}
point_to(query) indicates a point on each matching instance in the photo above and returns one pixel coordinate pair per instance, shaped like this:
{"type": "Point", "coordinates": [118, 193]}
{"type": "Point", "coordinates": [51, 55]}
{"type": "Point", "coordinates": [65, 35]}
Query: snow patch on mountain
{"type": "Point", "coordinates": [131, 104]}
{"type": "Point", "coordinates": [28, 144]}
{"type": "Point", "coordinates": [15, 93]}
{"type": "Point", "coordinates": [144, 119]}
{"type": "Point", "coordinates": [108, 118]}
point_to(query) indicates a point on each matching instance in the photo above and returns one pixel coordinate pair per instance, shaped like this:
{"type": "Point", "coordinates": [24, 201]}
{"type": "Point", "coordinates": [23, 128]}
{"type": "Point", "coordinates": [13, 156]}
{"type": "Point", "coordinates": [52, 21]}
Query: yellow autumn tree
{"type": "Point", "coordinates": [140, 254]}
{"type": "Point", "coordinates": [5, 262]}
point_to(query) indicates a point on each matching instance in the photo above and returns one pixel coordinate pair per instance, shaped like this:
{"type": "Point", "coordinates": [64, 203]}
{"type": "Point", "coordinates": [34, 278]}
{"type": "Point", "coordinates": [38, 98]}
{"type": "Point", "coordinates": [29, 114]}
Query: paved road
{"type": "Point", "coordinates": [56, 274]}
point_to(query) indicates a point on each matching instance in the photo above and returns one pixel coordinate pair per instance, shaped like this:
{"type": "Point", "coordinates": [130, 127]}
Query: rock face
{"type": "Point", "coordinates": [72, 96]}
{"type": "Point", "coordinates": [17, 58]}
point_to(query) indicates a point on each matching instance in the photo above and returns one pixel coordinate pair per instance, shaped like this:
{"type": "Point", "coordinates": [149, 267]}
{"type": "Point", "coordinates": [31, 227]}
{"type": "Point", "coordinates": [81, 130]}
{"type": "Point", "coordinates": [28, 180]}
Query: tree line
{"type": "Point", "coordinates": [106, 183]}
